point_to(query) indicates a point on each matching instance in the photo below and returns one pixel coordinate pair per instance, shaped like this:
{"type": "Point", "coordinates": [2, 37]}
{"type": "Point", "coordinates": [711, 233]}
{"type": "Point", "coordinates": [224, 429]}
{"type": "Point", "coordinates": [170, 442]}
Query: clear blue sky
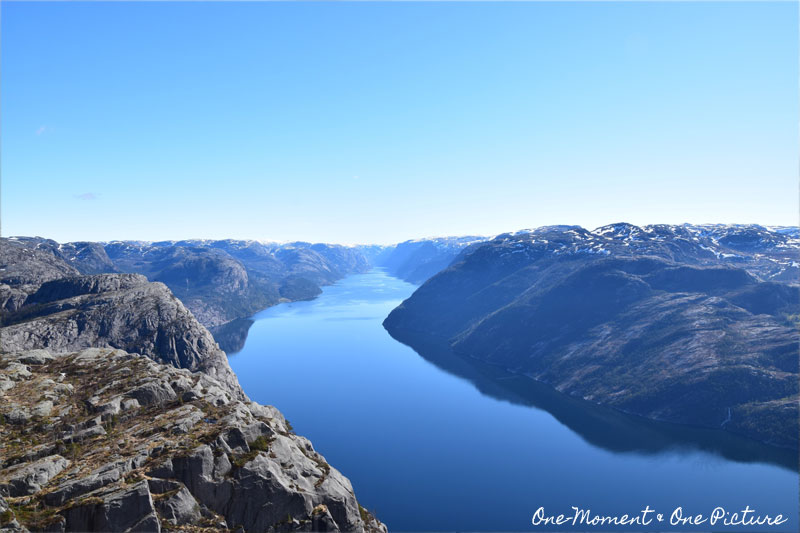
{"type": "Point", "coordinates": [376, 122]}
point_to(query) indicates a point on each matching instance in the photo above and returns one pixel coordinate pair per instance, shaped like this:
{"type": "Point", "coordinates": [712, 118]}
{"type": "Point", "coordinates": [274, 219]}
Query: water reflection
{"type": "Point", "coordinates": [600, 426]}
{"type": "Point", "coordinates": [232, 336]}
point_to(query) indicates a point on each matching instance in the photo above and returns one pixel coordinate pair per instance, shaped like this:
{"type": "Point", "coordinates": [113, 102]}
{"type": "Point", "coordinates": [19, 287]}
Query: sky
{"type": "Point", "coordinates": [379, 122]}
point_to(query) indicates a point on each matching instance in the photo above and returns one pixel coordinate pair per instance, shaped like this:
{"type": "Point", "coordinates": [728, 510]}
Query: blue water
{"type": "Point", "coordinates": [434, 442]}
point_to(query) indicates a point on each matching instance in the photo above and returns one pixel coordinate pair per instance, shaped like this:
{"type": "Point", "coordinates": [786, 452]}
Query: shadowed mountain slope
{"type": "Point", "coordinates": [652, 321]}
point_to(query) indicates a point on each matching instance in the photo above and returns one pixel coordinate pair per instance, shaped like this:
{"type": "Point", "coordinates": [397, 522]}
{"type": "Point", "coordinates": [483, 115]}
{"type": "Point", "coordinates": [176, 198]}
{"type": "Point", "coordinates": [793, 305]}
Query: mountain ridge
{"type": "Point", "coordinates": [594, 314]}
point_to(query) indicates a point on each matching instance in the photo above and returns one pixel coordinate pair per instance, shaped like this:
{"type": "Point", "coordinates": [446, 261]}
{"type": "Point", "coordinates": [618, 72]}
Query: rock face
{"type": "Point", "coordinates": [133, 445]}
{"type": "Point", "coordinates": [682, 324]}
{"type": "Point", "coordinates": [23, 268]}
{"type": "Point", "coordinates": [86, 257]}
{"type": "Point", "coordinates": [122, 311]}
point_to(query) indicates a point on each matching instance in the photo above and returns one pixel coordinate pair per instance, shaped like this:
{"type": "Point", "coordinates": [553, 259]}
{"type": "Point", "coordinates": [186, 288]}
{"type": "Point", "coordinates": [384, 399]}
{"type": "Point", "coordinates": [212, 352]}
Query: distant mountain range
{"type": "Point", "coordinates": [689, 324]}
{"type": "Point", "coordinates": [417, 260]}
{"type": "Point", "coordinates": [219, 281]}
{"type": "Point", "coordinates": [222, 282]}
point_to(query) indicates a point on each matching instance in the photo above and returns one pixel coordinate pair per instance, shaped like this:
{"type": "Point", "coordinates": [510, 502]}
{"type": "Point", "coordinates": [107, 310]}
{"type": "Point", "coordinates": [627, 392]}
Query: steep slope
{"type": "Point", "coordinates": [85, 257]}
{"type": "Point", "coordinates": [105, 440]}
{"type": "Point", "coordinates": [653, 321]}
{"type": "Point", "coordinates": [23, 268]}
{"type": "Point", "coordinates": [122, 311]}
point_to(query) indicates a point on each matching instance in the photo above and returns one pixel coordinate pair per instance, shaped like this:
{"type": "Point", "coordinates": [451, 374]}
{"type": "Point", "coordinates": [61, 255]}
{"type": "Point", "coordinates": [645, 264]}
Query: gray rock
{"type": "Point", "coordinates": [62, 389]}
{"type": "Point", "coordinates": [130, 404]}
{"type": "Point", "coordinates": [23, 266]}
{"type": "Point", "coordinates": [153, 393]}
{"type": "Point", "coordinates": [105, 408]}
{"type": "Point", "coordinates": [42, 409]}
{"type": "Point", "coordinates": [186, 418]}
{"type": "Point", "coordinates": [322, 521]}
{"type": "Point", "coordinates": [29, 478]}
{"type": "Point", "coordinates": [12, 298]}
{"type": "Point", "coordinates": [70, 489]}
{"type": "Point", "coordinates": [6, 384]}
{"type": "Point", "coordinates": [17, 371]}
{"type": "Point", "coordinates": [179, 508]}
{"type": "Point", "coordinates": [36, 357]}
{"type": "Point", "coordinates": [213, 462]}
{"type": "Point", "coordinates": [69, 287]}
{"type": "Point", "coordinates": [121, 311]}
{"type": "Point", "coordinates": [127, 508]}
{"type": "Point", "coordinates": [88, 433]}
{"type": "Point", "coordinates": [17, 415]}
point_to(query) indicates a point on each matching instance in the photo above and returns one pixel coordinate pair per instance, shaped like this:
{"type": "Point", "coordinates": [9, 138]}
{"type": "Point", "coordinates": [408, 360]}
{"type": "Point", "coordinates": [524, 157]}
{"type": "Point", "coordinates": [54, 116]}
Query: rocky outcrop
{"type": "Point", "coordinates": [128, 444]}
{"type": "Point", "coordinates": [84, 257]}
{"type": "Point", "coordinates": [23, 268]}
{"type": "Point", "coordinates": [655, 321]}
{"type": "Point", "coordinates": [122, 311]}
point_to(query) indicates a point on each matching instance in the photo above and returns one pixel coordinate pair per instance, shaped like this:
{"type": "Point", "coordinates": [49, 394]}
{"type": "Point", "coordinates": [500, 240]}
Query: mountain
{"type": "Point", "coordinates": [219, 281]}
{"type": "Point", "coordinates": [119, 412]}
{"type": "Point", "coordinates": [417, 260]}
{"type": "Point", "coordinates": [216, 287]}
{"type": "Point", "coordinates": [23, 268]}
{"type": "Point", "coordinates": [375, 254]}
{"type": "Point", "coordinates": [686, 324]}
{"type": "Point", "coordinates": [85, 257]}
{"type": "Point", "coordinates": [122, 311]}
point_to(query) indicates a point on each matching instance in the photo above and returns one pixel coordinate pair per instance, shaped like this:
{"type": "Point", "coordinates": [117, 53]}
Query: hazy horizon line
{"type": "Point", "coordinates": [411, 239]}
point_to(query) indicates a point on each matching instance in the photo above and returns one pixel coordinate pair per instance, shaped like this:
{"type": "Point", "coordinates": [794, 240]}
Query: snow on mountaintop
{"type": "Point", "coordinates": [768, 253]}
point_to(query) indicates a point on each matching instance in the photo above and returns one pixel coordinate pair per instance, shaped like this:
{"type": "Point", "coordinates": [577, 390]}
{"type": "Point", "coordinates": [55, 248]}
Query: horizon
{"type": "Point", "coordinates": [358, 123]}
{"type": "Point", "coordinates": [412, 239]}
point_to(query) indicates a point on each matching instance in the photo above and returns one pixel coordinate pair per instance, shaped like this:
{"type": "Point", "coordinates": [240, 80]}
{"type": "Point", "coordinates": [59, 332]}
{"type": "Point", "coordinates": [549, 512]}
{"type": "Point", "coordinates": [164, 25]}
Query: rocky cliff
{"type": "Point", "coordinates": [672, 323]}
{"type": "Point", "coordinates": [122, 311]}
{"type": "Point", "coordinates": [119, 412]}
{"type": "Point", "coordinates": [23, 268]}
{"type": "Point", "coordinates": [105, 440]}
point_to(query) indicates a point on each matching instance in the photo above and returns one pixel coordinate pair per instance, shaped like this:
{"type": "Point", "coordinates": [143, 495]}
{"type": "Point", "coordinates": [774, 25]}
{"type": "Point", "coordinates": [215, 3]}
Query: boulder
{"type": "Point", "coordinates": [127, 508]}
{"type": "Point", "coordinates": [29, 478]}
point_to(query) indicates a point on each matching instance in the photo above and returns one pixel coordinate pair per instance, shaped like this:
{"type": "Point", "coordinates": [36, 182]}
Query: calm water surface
{"type": "Point", "coordinates": [434, 442]}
